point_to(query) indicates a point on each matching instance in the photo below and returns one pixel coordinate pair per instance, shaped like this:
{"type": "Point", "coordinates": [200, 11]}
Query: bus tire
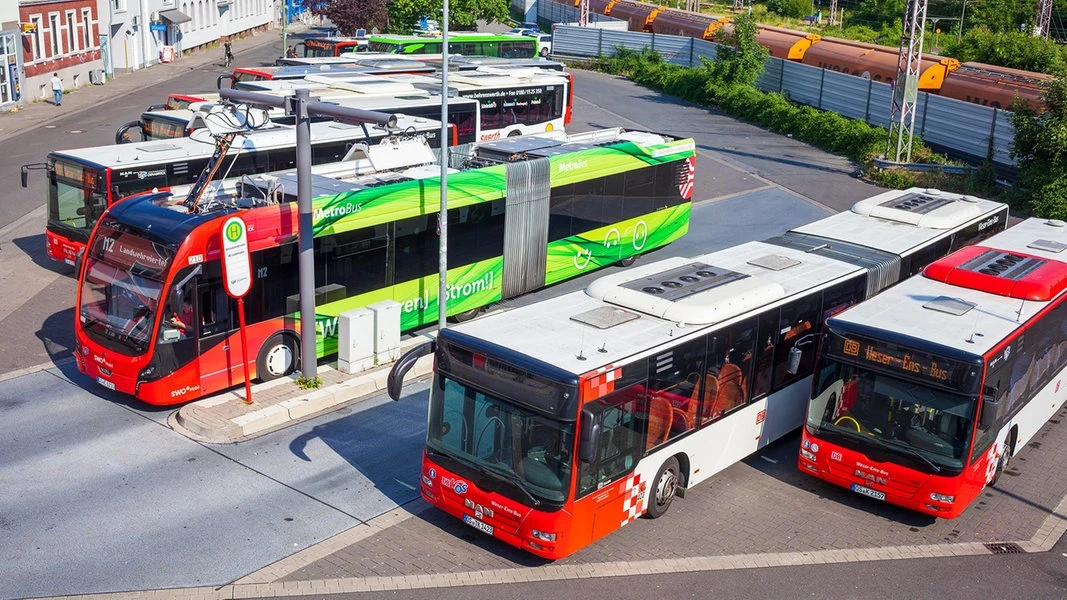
{"type": "Point", "coordinates": [1005, 458]}
{"type": "Point", "coordinates": [664, 488]}
{"type": "Point", "coordinates": [278, 357]}
{"type": "Point", "coordinates": [465, 315]}
{"type": "Point", "coordinates": [626, 262]}
{"type": "Point", "coordinates": [515, 133]}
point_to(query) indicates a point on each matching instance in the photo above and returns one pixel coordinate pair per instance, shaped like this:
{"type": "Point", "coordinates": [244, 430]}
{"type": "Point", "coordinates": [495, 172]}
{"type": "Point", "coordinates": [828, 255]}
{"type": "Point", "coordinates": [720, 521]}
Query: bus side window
{"type": "Point", "coordinates": [766, 341]}
{"type": "Point", "coordinates": [217, 309]}
{"type": "Point", "coordinates": [798, 318]}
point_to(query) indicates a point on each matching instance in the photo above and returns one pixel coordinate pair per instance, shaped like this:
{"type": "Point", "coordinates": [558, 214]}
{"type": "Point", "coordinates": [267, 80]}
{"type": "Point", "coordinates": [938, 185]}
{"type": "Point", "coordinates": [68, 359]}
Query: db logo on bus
{"type": "Point", "coordinates": [458, 486]}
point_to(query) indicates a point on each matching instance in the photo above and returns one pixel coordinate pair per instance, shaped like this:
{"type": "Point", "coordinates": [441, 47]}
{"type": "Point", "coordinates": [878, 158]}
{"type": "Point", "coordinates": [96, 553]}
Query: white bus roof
{"type": "Point", "coordinates": [629, 312]}
{"type": "Point", "coordinates": [904, 219]}
{"type": "Point", "coordinates": [968, 320]}
{"type": "Point", "coordinates": [561, 339]}
{"type": "Point", "coordinates": [195, 146]}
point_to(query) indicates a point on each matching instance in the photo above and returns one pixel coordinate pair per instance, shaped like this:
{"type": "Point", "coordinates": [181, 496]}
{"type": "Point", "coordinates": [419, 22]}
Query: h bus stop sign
{"type": "Point", "coordinates": [237, 275]}
{"type": "Point", "coordinates": [236, 266]}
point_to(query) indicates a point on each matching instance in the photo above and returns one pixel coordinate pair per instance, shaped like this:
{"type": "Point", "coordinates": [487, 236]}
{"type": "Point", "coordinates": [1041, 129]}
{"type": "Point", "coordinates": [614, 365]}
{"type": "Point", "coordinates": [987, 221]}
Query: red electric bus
{"type": "Point", "coordinates": [922, 394]}
{"type": "Point", "coordinates": [553, 424]}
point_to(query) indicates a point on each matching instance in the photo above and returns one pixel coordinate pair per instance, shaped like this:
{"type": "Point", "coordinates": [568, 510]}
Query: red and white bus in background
{"type": "Point", "coordinates": [513, 102]}
{"type": "Point", "coordinates": [922, 394]}
{"type": "Point", "coordinates": [83, 182]}
{"type": "Point", "coordinates": [383, 66]}
{"type": "Point", "coordinates": [370, 93]}
{"type": "Point", "coordinates": [655, 378]}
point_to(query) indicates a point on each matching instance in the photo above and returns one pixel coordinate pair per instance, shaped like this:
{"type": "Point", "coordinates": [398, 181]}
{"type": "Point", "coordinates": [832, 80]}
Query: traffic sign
{"type": "Point", "coordinates": [236, 265]}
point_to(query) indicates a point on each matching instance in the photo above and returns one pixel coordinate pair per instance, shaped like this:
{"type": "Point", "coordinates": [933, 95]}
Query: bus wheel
{"type": "Point", "coordinates": [466, 315]}
{"type": "Point", "coordinates": [1002, 462]}
{"type": "Point", "coordinates": [626, 262]}
{"type": "Point", "coordinates": [515, 133]}
{"type": "Point", "coordinates": [278, 357]}
{"type": "Point", "coordinates": [664, 488]}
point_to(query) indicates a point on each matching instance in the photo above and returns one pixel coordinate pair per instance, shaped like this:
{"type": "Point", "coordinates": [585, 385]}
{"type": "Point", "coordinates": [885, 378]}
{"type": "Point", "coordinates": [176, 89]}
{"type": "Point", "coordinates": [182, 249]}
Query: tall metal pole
{"type": "Point", "coordinates": [906, 86]}
{"type": "Point", "coordinates": [308, 356]}
{"type": "Point", "coordinates": [963, 15]}
{"type": "Point", "coordinates": [442, 269]}
{"type": "Point", "coordinates": [285, 23]}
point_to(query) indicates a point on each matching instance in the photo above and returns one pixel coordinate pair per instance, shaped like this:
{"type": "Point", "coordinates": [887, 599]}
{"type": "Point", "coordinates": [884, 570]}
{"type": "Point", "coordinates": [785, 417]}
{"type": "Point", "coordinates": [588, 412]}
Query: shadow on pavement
{"type": "Point", "coordinates": [779, 460]}
{"type": "Point", "coordinates": [34, 247]}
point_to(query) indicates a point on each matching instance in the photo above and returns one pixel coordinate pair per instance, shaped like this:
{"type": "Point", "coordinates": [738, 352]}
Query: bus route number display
{"type": "Point", "coordinates": [236, 265]}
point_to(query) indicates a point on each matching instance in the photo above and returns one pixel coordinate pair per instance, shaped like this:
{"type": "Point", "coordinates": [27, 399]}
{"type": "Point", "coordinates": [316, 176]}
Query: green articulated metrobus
{"type": "Point", "coordinates": [523, 213]}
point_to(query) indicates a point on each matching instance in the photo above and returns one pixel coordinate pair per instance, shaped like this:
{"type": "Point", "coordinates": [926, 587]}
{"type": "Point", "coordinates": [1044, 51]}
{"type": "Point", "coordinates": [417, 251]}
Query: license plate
{"type": "Point", "coordinates": [108, 384]}
{"type": "Point", "coordinates": [475, 523]}
{"type": "Point", "coordinates": [859, 489]}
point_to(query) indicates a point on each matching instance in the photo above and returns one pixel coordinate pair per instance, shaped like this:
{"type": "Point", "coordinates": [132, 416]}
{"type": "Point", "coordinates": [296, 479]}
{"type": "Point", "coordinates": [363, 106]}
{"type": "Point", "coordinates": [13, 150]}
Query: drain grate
{"type": "Point", "coordinates": [1005, 548]}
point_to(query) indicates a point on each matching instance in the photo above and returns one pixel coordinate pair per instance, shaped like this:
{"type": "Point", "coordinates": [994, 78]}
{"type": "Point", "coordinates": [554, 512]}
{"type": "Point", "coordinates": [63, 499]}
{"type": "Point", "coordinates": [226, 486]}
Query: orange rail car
{"type": "Point", "coordinates": [990, 85]}
{"type": "Point", "coordinates": [638, 14]}
{"type": "Point", "coordinates": [679, 22]}
{"type": "Point", "coordinates": [785, 43]}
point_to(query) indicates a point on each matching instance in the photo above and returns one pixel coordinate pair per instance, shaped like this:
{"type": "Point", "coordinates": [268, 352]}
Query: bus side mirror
{"type": "Point", "coordinates": [395, 380]}
{"type": "Point", "coordinates": [990, 407]}
{"type": "Point", "coordinates": [590, 437]}
{"type": "Point", "coordinates": [79, 258]}
{"type": "Point", "coordinates": [25, 176]}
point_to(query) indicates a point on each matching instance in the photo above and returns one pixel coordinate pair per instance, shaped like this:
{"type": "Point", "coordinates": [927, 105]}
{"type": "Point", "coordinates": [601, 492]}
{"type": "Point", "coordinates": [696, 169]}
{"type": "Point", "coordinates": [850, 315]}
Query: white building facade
{"type": "Point", "coordinates": [146, 32]}
{"type": "Point", "coordinates": [11, 74]}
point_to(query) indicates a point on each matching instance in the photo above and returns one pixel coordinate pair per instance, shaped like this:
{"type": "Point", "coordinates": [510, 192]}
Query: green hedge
{"type": "Point", "coordinates": [827, 130]}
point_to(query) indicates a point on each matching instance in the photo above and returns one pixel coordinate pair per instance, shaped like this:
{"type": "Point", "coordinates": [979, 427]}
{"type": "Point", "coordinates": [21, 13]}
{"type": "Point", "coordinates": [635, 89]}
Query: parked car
{"type": "Point", "coordinates": [544, 43]}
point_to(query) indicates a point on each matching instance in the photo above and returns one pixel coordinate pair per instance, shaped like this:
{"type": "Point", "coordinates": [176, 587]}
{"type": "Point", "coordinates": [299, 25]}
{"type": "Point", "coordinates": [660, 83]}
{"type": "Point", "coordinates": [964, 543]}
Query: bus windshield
{"type": "Point", "coordinates": [121, 291]}
{"type": "Point", "coordinates": [75, 196]}
{"type": "Point", "coordinates": [503, 447]}
{"type": "Point", "coordinates": [921, 424]}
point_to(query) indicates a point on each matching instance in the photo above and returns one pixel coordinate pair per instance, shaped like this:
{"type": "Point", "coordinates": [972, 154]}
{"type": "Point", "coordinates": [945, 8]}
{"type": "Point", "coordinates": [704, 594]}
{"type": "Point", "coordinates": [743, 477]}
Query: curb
{"type": "Point", "coordinates": [201, 420]}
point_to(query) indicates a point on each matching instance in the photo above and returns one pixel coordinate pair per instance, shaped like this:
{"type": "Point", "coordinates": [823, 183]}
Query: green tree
{"type": "Point", "coordinates": [1040, 149]}
{"type": "Point", "coordinates": [790, 8]}
{"type": "Point", "coordinates": [350, 15]}
{"type": "Point", "coordinates": [742, 62]}
{"type": "Point", "coordinates": [462, 14]}
{"type": "Point", "coordinates": [1011, 49]}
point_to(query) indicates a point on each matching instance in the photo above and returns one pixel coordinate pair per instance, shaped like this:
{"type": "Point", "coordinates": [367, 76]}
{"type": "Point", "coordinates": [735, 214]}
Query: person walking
{"type": "Point", "coordinates": [57, 89]}
{"type": "Point", "coordinates": [229, 53]}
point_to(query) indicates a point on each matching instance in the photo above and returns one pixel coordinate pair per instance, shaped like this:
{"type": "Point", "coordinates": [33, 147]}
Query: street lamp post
{"type": "Point", "coordinates": [442, 268]}
{"type": "Point", "coordinates": [963, 14]}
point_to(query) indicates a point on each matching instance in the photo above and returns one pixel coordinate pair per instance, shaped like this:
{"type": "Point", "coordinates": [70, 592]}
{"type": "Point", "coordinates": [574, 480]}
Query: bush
{"type": "Point", "coordinates": [797, 9]}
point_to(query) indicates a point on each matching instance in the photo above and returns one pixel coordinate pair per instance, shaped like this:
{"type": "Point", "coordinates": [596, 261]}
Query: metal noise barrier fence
{"type": "Point", "coordinates": [960, 128]}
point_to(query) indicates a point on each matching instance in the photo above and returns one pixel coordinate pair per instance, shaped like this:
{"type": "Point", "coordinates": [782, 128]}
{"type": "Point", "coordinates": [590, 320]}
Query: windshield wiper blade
{"type": "Point", "coordinates": [913, 452]}
{"type": "Point", "coordinates": [515, 480]}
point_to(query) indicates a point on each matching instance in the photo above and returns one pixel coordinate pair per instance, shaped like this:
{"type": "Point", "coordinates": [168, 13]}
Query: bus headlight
{"type": "Point", "coordinates": [544, 536]}
{"type": "Point", "coordinates": [808, 455]}
{"type": "Point", "coordinates": [942, 498]}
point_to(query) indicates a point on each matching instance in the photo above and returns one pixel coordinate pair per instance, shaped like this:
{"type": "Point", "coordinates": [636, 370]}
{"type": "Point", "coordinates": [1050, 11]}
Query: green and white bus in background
{"type": "Point", "coordinates": [465, 43]}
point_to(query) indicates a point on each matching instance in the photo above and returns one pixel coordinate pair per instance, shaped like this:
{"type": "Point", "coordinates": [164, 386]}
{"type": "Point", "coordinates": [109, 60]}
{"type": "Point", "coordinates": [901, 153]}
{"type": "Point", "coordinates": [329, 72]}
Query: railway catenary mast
{"type": "Point", "coordinates": [906, 86]}
{"type": "Point", "coordinates": [1043, 20]}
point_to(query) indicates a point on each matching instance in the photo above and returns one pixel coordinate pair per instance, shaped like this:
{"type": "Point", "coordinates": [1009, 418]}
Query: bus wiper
{"type": "Point", "coordinates": [514, 480]}
{"type": "Point", "coordinates": [913, 452]}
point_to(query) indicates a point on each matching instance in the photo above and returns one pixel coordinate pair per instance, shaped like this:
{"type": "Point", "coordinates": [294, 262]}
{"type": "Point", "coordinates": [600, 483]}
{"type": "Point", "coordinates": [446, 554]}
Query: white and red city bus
{"type": "Point", "coordinates": [553, 424]}
{"type": "Point", "coordinates": [383, 66]}
{"type": "Point", "coordinates": [922, 394]}
{"type": "Point", "coordinates": [83, 182]}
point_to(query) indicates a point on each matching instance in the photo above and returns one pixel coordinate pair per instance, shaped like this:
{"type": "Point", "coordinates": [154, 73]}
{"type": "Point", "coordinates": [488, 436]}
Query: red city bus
{"type": "Point", "coordinates": [923, 394]}
{"type": "Point", "coordinates": [82, 182]}
{"type": "Point", "coordinates": [317, 47]}
{"type": "Point", "coordinates": [553, 424]}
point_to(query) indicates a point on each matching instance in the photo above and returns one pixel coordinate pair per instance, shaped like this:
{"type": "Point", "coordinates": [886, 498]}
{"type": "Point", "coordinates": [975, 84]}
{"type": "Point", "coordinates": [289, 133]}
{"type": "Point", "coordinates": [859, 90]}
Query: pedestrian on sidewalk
{"type": "Point", "coordinates": [228, 53]}
{"type": "Point", "coordinates": [57, 89]}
